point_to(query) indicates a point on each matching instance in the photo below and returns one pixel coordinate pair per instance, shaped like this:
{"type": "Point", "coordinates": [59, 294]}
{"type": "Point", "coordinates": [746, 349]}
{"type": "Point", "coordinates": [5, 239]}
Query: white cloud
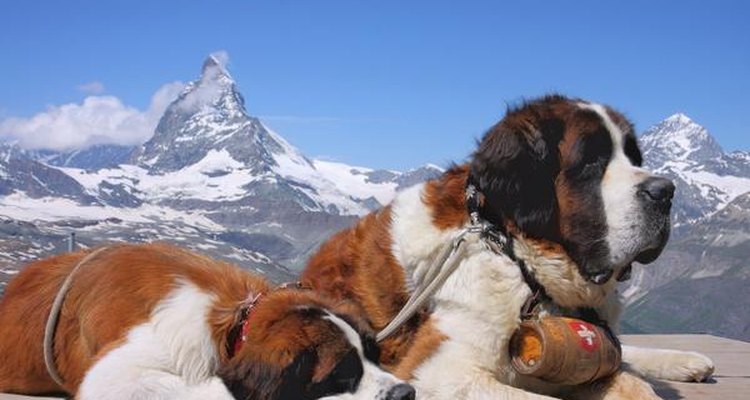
{"type": "Point", "coordinates": [206, 92]}
{"type": "Point", "coordinates": [94, 87]}
{"type": "Point", "coordinates": [97, 120]}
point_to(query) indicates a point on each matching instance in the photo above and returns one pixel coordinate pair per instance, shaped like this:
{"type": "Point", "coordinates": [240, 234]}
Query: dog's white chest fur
{"type": "Point", "coordinates": [171, 356]}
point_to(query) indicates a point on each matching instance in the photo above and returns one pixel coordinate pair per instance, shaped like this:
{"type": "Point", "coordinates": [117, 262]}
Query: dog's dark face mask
{"type": "Point", "coordinates": [305, 352]}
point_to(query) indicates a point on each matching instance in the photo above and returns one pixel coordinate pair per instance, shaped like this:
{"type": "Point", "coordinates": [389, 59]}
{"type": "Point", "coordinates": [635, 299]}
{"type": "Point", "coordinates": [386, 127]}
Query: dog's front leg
{"type": "Point", "coordinates": [484, 386]}
{"type": "Point", "coordinates": [673, 365]}
{"type": "Point", "coordinates": [154, 385]}
{"type": "Point", "coordinates": [622, 386]}
{"type": "Point", "coordinates": [137, 371]}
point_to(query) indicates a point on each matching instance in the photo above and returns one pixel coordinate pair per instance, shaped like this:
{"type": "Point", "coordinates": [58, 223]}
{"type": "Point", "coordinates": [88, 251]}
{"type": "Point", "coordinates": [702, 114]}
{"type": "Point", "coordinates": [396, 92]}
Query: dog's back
{"type": "Point", "coordinates": [110, 293]}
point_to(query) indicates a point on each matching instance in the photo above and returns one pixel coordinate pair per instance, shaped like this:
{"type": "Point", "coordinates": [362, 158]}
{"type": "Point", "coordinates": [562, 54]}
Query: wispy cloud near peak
{"type": "Point", "coordinates": [94, 87]}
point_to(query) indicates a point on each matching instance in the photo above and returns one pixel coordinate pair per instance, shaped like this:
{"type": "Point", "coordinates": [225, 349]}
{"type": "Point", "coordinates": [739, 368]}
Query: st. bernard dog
{"type": "Point", "coordinates": [561, 179]}
{"type": "Point", "coordinates": [158, 322]}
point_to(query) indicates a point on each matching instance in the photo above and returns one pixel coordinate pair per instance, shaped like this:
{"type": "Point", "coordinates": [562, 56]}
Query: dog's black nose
{"type": "Point", "coordinates": [657, 188]}
{"type": "Point", "coordinates": [402, 391]}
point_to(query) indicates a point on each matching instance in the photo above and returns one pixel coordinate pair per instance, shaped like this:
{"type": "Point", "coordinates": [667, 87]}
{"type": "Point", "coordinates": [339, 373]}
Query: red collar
{"type": "Point", "coordinates": [238, 334]}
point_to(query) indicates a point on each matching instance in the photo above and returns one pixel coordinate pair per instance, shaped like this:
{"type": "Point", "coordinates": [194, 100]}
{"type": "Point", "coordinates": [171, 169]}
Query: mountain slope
{"type": "Point", "coordinates": [92, 158]}
{"type": "Point", "coordinates": [18, 172]}
{"type": "Point", "coordinates": [700, 283]}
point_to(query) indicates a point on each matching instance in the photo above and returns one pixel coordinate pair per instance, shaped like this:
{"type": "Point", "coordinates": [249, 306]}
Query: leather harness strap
{"type": "Point", "coordinates": [54, 315]}
{"type": "Point", "coordinates": [502, 243]}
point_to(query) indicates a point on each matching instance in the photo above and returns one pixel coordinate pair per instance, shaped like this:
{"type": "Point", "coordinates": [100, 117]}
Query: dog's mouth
{"type": "Point", "coordinates": [649, 255]}
{"type": "Point", "coordinates": [646, 256]}
{"type": "Point", "coordinates": [625, 272]}
{"type": "Point", "coordinates": [622, 275]}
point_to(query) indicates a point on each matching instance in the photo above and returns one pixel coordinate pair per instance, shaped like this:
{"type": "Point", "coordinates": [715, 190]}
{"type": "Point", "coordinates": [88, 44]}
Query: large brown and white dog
{"type": "Point", "coordinates": [563, 178]}
{"type": "Point", "coordinates": [159, 322]}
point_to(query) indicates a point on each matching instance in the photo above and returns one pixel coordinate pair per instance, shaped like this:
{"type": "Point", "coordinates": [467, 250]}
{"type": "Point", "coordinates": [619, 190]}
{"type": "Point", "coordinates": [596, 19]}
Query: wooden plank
{"type": "Point", "coordinates": [731, 357]}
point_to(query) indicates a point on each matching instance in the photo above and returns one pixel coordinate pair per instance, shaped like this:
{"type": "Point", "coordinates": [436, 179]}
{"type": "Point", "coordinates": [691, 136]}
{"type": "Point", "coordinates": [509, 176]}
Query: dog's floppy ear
{"type": "Point", "coordinates": [515, 167]}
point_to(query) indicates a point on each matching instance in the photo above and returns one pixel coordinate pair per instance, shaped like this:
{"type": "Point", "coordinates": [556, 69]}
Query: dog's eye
{"type": "Point", "coordinates": [632, 151]}
{"type": "Point", "coordinates": [344, 378]}
{"type": "Point", "coordinates": [587, 169]}
{"type": "Point", "coordinates": [371, 349]}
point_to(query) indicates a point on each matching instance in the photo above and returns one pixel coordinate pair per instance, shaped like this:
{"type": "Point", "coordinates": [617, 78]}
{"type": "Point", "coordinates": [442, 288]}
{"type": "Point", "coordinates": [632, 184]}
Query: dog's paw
{"type": "Point", "coordinates": [689, 366]}
{"type": "Point", "coordinates": [672, 365]}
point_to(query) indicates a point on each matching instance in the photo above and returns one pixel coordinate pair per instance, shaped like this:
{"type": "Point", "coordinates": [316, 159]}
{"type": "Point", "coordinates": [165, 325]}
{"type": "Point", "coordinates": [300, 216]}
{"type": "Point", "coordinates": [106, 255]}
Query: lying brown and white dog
{"type": "Point", "coordinates": [562, 180]}
{"type": "Point", "coordinates": [158, 322]}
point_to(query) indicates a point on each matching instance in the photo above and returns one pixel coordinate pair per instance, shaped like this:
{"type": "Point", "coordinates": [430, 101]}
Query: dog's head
{"type": "Point", "coordinates": [301, 347]}
{"type": "Point", "coordinates": [569, 171]}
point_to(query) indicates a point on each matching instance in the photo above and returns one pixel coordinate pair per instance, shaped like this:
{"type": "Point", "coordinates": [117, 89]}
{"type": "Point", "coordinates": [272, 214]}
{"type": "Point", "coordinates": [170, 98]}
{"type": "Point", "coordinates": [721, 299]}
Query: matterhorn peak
{"type": "Point", "coordinates": [209, 116]}
{"type": "Point", "coordinates": [679, 118]}
{"type": "Point", "coordinates": [214, 92]}
{"type": "Point", "coordinates": [215, 67]}
{"type": "Point", "coordinates": [210, 62]}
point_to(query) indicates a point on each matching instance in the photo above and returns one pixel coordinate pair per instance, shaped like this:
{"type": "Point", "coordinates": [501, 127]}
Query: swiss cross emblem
{"type": "Point", "coordinates": [587, 336]}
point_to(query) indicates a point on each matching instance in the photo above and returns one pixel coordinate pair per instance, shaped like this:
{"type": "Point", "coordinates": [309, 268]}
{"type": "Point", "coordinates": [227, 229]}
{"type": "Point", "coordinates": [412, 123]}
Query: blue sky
{"type": "Point", "coordinates": [391, 84]}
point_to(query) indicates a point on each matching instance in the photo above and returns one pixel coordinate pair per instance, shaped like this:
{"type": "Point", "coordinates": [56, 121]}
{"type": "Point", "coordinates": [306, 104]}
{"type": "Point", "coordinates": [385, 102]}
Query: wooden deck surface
{"type": "Point", "coordinates": [731, 379]}
{"type": "Point", "coordinates": [732, 359]}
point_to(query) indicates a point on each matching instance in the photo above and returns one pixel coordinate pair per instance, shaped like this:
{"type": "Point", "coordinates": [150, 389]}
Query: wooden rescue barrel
{"type": "Point", "coordinates": [564, 350]}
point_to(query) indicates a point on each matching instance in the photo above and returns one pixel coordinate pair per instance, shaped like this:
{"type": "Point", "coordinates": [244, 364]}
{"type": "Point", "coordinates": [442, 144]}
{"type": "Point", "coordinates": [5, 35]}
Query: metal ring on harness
{"type": "Point", "coordinates": [54, 315]}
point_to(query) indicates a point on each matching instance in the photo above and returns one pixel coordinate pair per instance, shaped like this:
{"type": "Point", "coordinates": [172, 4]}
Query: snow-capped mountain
{"type": "Point", "coordinates": [208, 115]}
{"type": "Point", "coordinates": [212, 178]}
{"type": "Point", "coordinates": [208, 142]}
{"type": "Point", "coordinates": [706, 178]}
{"type": "Point", "coordinates": [19, 173]}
